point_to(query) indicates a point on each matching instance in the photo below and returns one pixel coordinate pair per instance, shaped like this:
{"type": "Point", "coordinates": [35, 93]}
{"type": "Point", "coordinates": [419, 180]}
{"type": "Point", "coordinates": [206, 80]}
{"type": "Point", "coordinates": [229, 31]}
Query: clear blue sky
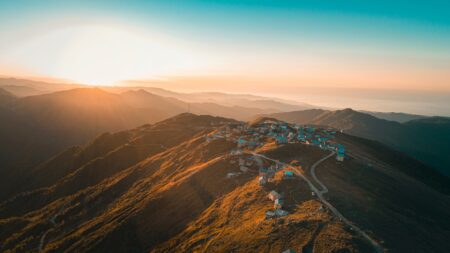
{"type": "Point", "coordinates": [424, 20]}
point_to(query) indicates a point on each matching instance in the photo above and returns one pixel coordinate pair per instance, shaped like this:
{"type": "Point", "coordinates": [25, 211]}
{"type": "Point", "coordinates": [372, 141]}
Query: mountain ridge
{"type": "Point", "coordinates": [180, 198]}
{"type": "Point", "coordinates": [426, 138]}
{"type": "Point", "coordinates": [70, 117]}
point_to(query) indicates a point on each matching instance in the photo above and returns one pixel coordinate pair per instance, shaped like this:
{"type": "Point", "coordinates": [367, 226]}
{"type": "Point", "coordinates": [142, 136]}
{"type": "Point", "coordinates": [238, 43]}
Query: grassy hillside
{"type": "Point", "coordinates": [164, 188]}
{"type": "Point", "coordinates": [35, 128]}
{"type": "Point", "coordinates": [427, 139]}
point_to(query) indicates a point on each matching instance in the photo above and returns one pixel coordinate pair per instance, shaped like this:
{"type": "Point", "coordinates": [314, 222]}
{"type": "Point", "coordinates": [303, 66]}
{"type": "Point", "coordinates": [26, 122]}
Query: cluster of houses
{"type": "Point", "coordinates": [245, 163]}
{"type": "Point", "coordinates": [250, 137]}
{"type": "Point", "coordinates": [277, 198]}
{"type": "Point", "coordinates": [253, 136]}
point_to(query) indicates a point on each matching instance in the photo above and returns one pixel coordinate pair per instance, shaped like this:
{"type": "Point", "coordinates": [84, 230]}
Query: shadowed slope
{"type": "Point", "coordinates": [427, 140]}
{"type": "Point", "coordinates": [172, 194]}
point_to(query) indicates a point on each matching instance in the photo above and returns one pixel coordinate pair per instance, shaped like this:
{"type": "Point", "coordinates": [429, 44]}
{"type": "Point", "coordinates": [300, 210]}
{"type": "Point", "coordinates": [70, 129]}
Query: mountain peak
{"type": "Point", "coordinates": [190, 118]}
{"type": "Point", "coordinates": [348, 110]}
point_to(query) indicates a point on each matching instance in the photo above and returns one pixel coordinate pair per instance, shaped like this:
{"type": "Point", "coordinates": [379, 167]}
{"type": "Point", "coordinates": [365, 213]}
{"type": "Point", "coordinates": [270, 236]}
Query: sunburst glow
{"type": "Point", "coordinates": [101, 55]}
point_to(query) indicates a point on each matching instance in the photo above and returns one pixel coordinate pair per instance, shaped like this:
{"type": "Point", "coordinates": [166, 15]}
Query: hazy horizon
{"type": "Point", "coordinates": [422, 102]}
{"type": "Point", "coordinates": [379, 56]}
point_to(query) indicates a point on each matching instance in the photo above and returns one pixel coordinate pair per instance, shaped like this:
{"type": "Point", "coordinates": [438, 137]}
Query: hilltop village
{"type": "Point", "coordinates": [249, 137]}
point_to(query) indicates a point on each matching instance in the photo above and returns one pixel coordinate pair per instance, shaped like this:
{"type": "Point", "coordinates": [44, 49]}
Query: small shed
{"type": "Point", "coordinates": [241, 142]}
{"type": "Point", "coordinates": [263, 171]}
{"type": "Point", "coordinates": [340, 157]}
{"type": "Point", "coordinates": [232, 174]}
{"type": "Point", "coordinates": [262, 180]}
{"type": "Point", "coordinates": [291, 135]}
{"type": "Point", "coordinates": [280, 213]}
{"type": "Point", "coordinates": [281, 139]}
{"type": "Point", "coordinates": [270, 214]}
{"type": "Point", "coordinates": [273, 195]}
{"type": "Point", "coordinates": [278, 203]}
{"type": "Point", "coordinates": [301, 137]}
{"type": "Point", "coordinates": [288, 175]}
{"type": "Point", "coordinates": [243, 168]}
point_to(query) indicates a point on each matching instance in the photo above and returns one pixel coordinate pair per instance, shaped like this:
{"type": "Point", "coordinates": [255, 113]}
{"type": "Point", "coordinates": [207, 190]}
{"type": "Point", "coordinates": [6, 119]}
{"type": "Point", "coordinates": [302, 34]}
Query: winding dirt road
{"type": "Point", "coordinates": [376, 246]}
{"type": "Point", "coordinates": [313, 172]}
{"type": "Point", "coordinates": [53, 222]}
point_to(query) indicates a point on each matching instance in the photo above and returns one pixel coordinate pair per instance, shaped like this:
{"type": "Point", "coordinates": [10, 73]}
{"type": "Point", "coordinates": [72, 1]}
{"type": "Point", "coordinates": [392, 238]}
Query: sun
{"type": "Point", "coordinates": [104, 54]}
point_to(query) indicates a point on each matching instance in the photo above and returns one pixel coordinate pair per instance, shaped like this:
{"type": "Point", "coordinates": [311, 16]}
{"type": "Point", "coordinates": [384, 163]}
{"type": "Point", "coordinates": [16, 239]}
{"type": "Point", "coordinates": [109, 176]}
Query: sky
{"type": "Point", "coordinates": [270, 47]}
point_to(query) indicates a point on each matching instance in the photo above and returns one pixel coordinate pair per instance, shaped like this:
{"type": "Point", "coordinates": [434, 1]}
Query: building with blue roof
{"type": "Point", "coordinates": [281, 139]}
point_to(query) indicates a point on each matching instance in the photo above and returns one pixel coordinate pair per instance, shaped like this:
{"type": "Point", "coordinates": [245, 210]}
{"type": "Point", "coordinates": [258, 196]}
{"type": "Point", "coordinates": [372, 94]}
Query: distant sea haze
{"type": "Point", "coordinates": [422, 102]}
{"type": "Point", "coordinates": [431, 103]}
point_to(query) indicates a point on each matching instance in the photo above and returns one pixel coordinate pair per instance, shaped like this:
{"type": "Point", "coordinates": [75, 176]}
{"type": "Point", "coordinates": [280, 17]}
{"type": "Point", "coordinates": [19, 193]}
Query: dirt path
{"type": "Point", "coordinates": [53, 222]}
{"type": "Point", "coordinates": [377, 247]}
{"type": "Point", "coordinates": [42, 241]}
{"type": "Point", "coordinates": [313, 172]}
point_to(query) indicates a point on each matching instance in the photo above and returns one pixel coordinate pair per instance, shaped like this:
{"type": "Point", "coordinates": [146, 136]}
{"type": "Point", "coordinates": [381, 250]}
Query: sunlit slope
{"type": "Point", "coordinates": [385, 192]}
{"type": "Point", "coordinates": [37, 127]}
{"type": "Point", "coordinates": [236, 222]}
{"type": "Point", "coordinates": [164, 188]}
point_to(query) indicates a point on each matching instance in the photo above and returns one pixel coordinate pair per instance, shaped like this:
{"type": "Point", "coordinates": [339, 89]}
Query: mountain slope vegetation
{"type": "Point", "coordinates": [427, 139]}
{"type": "Point", "coordinates": [36, 127]}
{"type": "Point", "coordinates": [164, 187]}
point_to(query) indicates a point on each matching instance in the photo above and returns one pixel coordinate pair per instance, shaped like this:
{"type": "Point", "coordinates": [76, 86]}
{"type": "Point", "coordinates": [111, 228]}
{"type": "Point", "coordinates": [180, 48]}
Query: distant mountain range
{"type": "Point", "coordinates": [41, 118]}
{"type": "Point", "coordinates": [38, 126]}
{"type": "Point", "coordinates": [23, 87]}
{"type": "Point", "coordinates": [164, 187]}
{"type": "Point", "coordinates": [395, 116]}
{"type": "Point", "coordinates": [426, 139]}
{"type": "Point", "coordinates": [35, 127]}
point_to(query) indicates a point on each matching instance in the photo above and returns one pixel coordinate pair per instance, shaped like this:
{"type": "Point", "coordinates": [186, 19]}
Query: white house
{"type": "Point", "coordinates": [243, 168]}
{"type": "Point", "coordinates": [273, 195]}
{"type": "Point", "coordinates": [281, 213]}
{"type": "Point", "coordinates": [278, 203]}
{"type": "Point", "coordinates": [232, 174]}
{"type": "Point", "coordinates": [262, 180]}
{"type": "Point", "coordinates": [270, 214]}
